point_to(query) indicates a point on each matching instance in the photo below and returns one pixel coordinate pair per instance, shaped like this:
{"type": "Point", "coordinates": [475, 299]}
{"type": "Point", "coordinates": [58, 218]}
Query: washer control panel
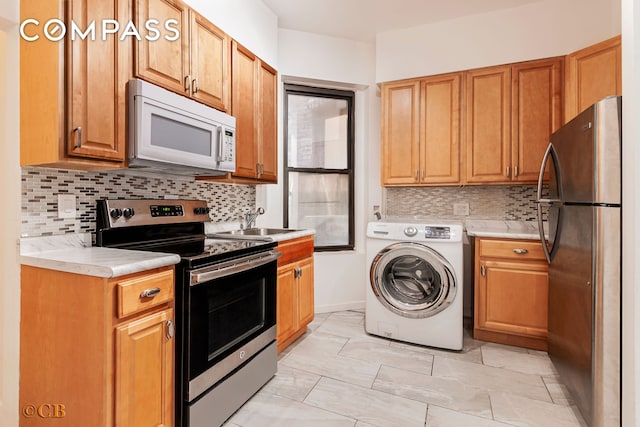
{"type": "Point", "coordinates": [437, 232]}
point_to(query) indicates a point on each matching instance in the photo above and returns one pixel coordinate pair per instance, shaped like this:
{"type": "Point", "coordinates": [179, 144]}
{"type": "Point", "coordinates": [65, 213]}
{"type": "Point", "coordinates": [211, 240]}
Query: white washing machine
{"type": "Point", "coordinates": [414, 292]}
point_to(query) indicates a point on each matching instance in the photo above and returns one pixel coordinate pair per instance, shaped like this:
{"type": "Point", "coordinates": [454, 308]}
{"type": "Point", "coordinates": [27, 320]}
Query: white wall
{"type": "Point", "coordinates": [630, 213]}
{"type": "Point", "coordinates": [250, 22]}
{"type": "Point", "coordinates": [330, 62]}
{"type": "Point", "coordinates": [536, 30]}
{"type": "Point", "coordinates": [10, 213]}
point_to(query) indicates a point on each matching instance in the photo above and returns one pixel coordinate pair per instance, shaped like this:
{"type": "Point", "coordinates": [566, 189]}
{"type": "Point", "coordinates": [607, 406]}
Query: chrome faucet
{"type": "Point", "coordinates": [250, 217]}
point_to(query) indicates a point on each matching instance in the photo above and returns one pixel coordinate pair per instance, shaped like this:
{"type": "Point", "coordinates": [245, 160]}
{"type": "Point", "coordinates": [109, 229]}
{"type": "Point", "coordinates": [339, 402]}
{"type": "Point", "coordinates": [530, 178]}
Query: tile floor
{"type": "Point", "coordinates": [337, 375]}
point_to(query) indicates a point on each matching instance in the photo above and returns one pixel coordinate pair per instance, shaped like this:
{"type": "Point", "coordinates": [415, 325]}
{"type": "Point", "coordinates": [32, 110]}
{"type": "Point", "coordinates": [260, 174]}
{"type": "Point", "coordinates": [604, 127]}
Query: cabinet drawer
{"type": "Point", "coordinates": [295, 249]}
{"type": "Point", "coordinates": [131, 292]}
{"type": "Point", "coordinates": [511, 249]}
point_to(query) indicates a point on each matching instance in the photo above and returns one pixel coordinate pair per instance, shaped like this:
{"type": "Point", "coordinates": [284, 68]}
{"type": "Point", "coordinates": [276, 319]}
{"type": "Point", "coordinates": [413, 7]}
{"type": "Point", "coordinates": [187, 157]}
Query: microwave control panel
{"type": "Point", "coordinates": [228, 147]}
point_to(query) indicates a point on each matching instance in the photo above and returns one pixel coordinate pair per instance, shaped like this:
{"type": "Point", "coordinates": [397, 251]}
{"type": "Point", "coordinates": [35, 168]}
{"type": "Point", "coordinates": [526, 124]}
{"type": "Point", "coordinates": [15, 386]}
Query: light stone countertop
{"type": "Point", "coordinates": [73, 253]}
{"type": "Point", "coordinates": [503, 229]}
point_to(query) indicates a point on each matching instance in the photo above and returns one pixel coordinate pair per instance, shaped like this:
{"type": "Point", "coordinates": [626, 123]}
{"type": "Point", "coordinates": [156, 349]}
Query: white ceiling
{"type": "Point", "coordinates": [362, 19]}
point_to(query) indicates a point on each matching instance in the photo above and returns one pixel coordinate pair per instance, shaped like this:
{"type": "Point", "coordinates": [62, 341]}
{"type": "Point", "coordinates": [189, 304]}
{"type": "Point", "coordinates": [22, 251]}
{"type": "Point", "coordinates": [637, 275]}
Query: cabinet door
{"type": "Point", "coordinates": [163, 62]}
{"type": "Point", "coordinates": [400, 132]}
{"type": "Point", "coordinates": [210, 64]}
{"type": "Point", "coordinates": [513, 297]}
{"type": "Point", "coordinates": [592, 73]}
{"type": "Point", "coordinates": [440, 129]}
{"type": "Point", "coordinates": [488, 117]}
{"type": "Point", "coordinates": [97, 72]}
{"type": "Point", "coordinates": [286, 310]}
{"type": "Point", "coordinates": [305, 291]}
{"type": "Point", "coordinates": [144, 372]}
{"type": "Point", "coordinates": [244, 88]}
{"type": "Point", "coordinates": [536, 113]}
{"type": "Point", "coordinates": [268, 123]}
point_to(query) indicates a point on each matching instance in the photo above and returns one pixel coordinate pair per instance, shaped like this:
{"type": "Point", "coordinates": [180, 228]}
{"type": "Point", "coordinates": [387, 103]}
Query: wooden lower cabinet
{"type": "Point", "coordinates": [84, 362]}
{"type": "Point", "coordinates": [511, 293]}
{"type": "Point", "coordinates": [295, 303]}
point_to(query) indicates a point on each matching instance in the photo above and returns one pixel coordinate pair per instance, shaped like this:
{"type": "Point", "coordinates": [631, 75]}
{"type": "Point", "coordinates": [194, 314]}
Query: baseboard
{"type": "Point", "coordinates": [354, 305]}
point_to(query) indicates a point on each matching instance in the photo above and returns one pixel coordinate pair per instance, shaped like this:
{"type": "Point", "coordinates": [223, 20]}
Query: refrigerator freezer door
{"type": "Point", "coordinates": [584, 310]}
{"type": "Point", "coordinates": [571, 304]}
{"type": "Point", "coordinates": [588, 151]}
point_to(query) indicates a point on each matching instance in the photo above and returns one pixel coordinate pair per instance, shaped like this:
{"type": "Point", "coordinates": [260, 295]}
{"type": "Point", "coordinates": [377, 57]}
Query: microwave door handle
{"type": "Point", "coordinates": [219, 144]}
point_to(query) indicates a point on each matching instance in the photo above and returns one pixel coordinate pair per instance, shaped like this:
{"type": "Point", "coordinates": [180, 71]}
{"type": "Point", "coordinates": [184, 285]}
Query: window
{"type": "Point", "coordinates": [318, 179]}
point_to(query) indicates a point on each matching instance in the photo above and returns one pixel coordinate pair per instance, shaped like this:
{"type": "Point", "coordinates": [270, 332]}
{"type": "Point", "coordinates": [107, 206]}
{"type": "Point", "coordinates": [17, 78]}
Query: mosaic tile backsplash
{"type": "Point", "coordinates": [485, 202]}
{"type": "Point", "coordinates": [41, 187]}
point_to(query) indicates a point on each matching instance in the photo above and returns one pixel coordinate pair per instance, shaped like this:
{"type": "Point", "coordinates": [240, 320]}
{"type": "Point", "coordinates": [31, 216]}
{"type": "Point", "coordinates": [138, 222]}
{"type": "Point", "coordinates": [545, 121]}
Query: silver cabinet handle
{"type": "Point", "coordinates": [171, 329]}
{"type": "Point", "coordinates": [149, 293]}
{"type": "Point", "coordinates": [78, 132]}
{"type": "Point", "coordinates": [483, 271]}
{"type": "Point", "coordinates": [508, 171]}
{"type": "Point", "coordinates": [520, 251]}
{"type": "Point", "coordinates": [195, 85]}
{"type": "Point", "coordinates": [515, 171]}
{"type": "Point", "coordinates": [423, 174]}
{"type": "Point", "coordinates": [187, 83]}
{"type": "Point", "coordinates": [417, 174]}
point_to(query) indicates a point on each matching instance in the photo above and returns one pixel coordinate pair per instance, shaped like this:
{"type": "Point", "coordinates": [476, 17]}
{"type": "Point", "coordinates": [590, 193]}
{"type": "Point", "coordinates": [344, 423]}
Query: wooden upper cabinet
{"type": "Point", "coordinates": [592, 73]}
{"type": "Point", "coordinates": [421, 131]}
{"type": "Point", "coordinates": [536, 112]}
{"type": "Point", "coordinates": [254, 105]}
{"type": "Point", "coordinates": [268, 122]}
{"type": "Point", "coordinates": [244, 105]}
{"type": "Point", "coordinates": [75, 117]}
{"type": "Point", "coordinates": [196, 64]}
{"type": "Point", "coordinates": [163, 62]}
{"type": "Point", "coordinates": [488, 124]}
{"type": "Point", "coordinates": [440, 129]}
{"type": "Point", "coordinates": [400, 132]}
{"type": "Point", "coordinates": [210, 63]}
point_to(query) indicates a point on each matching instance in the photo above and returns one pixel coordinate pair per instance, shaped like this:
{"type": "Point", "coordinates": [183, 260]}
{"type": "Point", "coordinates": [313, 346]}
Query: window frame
{"type": "Point", "coordinates": [349, 96]}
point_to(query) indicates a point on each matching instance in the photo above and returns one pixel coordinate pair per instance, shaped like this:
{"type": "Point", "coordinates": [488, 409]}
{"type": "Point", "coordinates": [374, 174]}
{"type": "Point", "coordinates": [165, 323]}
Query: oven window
{"type": "Point", "coordinates": [226, 313]}
{"type": "Point", "coordinates": [235, 312]}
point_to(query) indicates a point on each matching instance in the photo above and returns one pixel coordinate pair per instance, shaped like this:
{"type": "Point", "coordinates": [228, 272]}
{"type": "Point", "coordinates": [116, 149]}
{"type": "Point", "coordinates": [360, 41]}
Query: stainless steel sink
{"type": "Point", "coordinates": [253, 233]}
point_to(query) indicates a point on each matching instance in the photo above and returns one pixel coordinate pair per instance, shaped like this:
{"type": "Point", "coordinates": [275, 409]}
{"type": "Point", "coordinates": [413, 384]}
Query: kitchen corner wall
{"type": "Point", "coordinates": [41, 187]}
{"type": "Point", "coordinates": [514, 202]}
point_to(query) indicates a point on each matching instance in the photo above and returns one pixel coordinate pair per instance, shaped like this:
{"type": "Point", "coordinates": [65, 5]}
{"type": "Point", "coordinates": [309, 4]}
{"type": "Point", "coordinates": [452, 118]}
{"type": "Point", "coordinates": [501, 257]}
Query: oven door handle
{"type": "Point", "coordinates": [232, 267]}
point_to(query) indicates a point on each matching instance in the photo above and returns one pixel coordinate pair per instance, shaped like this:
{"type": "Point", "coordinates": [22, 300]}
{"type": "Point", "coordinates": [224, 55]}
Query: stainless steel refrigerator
{"type": "Point", "coordinates": [583, 205]}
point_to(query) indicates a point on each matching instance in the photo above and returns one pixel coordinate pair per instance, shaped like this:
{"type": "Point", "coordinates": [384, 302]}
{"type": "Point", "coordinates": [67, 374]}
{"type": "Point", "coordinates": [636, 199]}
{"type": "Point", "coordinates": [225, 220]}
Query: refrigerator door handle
{"type": "Point", "coordinates": [548, 201]}
{"type": "Point", "coordinates": [540, 201]}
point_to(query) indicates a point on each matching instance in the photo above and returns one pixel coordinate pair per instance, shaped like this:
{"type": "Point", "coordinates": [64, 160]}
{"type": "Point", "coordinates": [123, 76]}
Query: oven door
{"type": "Point", "coordinates": [230, 316]}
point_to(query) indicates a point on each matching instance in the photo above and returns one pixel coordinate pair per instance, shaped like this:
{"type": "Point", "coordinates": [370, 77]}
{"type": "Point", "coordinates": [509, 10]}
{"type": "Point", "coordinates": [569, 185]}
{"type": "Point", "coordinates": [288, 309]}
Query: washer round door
{"type": "Point", "coordinates": [412, 280]}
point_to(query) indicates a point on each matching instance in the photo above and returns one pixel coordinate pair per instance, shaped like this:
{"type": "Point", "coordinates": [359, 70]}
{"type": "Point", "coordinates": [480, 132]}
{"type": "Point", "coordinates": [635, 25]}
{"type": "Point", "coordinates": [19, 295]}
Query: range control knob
{"type": "Point", "coordinates": [115, 213]}
{"type": "Point", "coordinates": [201, 211]}
{"type": "Point", "coordinates": [410, 231]}
{"type": "Point", "coordinates": [128, 212]}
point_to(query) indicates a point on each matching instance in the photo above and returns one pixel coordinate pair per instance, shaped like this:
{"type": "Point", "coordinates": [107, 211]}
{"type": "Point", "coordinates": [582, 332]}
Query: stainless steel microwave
{"type": "Point", "coordinates": [170, 133]}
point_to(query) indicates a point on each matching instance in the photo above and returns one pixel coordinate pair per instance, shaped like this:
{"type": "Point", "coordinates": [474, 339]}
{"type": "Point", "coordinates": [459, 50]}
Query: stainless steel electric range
{"type": "Point", "coordinates": [225, 302]}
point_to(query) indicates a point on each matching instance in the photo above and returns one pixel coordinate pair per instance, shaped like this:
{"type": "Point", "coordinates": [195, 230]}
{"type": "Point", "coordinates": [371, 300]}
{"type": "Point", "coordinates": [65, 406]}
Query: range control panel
{"type": "Point", "coordinates": [437, 232]}
{"type": "Point", "coordinates": [133, 212]}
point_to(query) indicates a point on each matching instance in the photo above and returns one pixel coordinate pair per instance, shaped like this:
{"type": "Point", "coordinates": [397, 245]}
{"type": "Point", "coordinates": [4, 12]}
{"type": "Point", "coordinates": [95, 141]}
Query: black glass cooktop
{"type": "Point", "coordinates": [215, 250]}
